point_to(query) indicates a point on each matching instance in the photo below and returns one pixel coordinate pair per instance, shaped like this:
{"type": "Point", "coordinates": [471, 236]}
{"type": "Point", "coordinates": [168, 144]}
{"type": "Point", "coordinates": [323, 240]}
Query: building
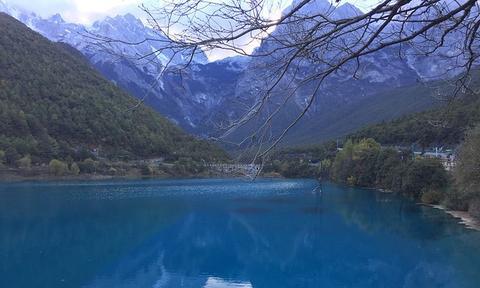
{"type": "Point", "coordinates": [447, 157]}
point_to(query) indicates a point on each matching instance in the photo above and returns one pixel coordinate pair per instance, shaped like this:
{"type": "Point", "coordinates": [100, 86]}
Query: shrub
{"type": "Point", "coordinates": [424, 175]}
{"type": "Point", "coordinates": [11, 156]}
{"type": "Point", "coordinates": [88, 166]}
{"type": "Point", "coordinates": [57, 167]}
{"type": "Point", "coordinates": [432, 197]}
{"type": "Point", "coordinates": [147, 170]}
{"type": "Point", "coordinates": [351, 180]}
{"type": "Point", "coordinates": [467, 171]}
{"type": "Point", "coordinates": [365, 163]}
{"type": "Point", "coordinates": [112, 171]}
{"type": "Point", "coordinates": [455, 200]}
{"type": "Point", "coordinates": [24, 162]}
{"type": "Point", "coordinates": [74, 169]}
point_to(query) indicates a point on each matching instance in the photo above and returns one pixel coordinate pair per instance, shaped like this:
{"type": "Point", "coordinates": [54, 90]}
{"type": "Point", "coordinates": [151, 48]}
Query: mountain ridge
{"type": "Point", "coordinates": [208, 95]}
{"type": "Point", "coordinates": [55, 105]}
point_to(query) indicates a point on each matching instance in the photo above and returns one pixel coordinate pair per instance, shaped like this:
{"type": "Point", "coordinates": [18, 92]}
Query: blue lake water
{"type": "Point", "coordinates": [227, 233]}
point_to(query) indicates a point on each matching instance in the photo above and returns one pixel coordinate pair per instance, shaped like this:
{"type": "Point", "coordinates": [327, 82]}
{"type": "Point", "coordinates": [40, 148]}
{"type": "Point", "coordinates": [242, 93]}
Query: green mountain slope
{"type": "Point", "coordinates": [441, 126]}
{"type": "Point", "coordinates": [54, 105]}
{"type": "Point", "coordinates": [371, 116]}
{"type": "Point", "coordinates": [335, 121]}
{"type": "Point", "coordinates": [338, 121]}
{"type": "Point", "coordinates": [444, 126]}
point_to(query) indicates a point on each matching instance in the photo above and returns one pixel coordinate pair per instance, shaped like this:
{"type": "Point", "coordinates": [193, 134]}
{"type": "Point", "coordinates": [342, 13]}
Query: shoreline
{"type": "Point", "coordinates": [465, 218]}
{"type": "Point", "coordinates": [12, 178]}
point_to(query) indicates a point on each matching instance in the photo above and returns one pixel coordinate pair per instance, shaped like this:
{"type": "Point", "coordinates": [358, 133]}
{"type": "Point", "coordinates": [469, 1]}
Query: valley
{"type": "Point", "coordinates": [247, 144]}
{"type": "Point", "coordinates": [206, 97]}
{"type": "Point", "coordinates": [57, 111]}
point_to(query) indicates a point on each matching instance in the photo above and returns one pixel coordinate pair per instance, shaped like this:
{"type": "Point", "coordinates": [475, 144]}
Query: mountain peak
{"type": "Point", "coordinates": [320, 3]}
{"type": "Point", "coordinates": [311, 7]}
{"type": "Point", "coordinates": [128, 19]}
{"type": "Point", "coordinates": [121, 22]}
{"type": "Point", "coordinates": [57, 18]}
{"type": "Point", "coordinates": [347, 10]}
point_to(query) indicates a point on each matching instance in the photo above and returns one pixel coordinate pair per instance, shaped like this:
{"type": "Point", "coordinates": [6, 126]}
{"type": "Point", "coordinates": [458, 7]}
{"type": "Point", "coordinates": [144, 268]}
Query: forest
{"type": "Point", "coordinates": [381, 156]}
{"type": "Point", "coordinates": [442, 126]}
{"type": "Point", "coordinates": [54, 106]}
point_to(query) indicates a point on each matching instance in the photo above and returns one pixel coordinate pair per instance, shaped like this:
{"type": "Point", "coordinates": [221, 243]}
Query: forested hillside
{"type": "Point", "coordinates": [336, 121]}
{"type": "Point", "coordinates": [54, 105]}
{"type": "Point", "coordinates": [441, 126]}
{"type": "Point", "coordinates": [368, 158]}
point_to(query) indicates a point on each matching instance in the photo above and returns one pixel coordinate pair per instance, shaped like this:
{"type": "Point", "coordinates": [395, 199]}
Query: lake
{"type": "Point", "coordinates": [227, 233]}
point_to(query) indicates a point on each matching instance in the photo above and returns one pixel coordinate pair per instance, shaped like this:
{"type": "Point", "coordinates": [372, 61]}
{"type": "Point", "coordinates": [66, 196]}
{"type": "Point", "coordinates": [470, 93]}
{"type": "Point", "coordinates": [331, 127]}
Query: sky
{"type": "Point", "coordinates": [88, 11]}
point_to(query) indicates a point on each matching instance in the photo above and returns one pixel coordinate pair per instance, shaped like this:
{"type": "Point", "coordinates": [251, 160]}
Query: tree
{"type": "Point", "coordinates": [11, 156]}
{"type": "Point", "coordinates": [53, 105]}
{"type": "Point", "coordinates": [365, 163]}
{"type": "Point", "coordinates": [147, 170]}
{"type": "Point", "coordinates": [48, 147]}
{"type": "Point", "coordinates": [313, 44]}
{"type": "Point", "coordinates": [356, 162]}
{"type": "Point", "coordinates": [83, 153]}
{"type": "Point", "coordinates": [424, 175]}
{"type": "Point", "coordinates": [57, 167]}
{"type": "Point", "coordinates": [88, 166]}
{"type": "Point", "coordinates": [74, 169]}
{"type": "Point", "coordinates": [467, 170]}
{"type": "Point", "coordinates": [24, 162]}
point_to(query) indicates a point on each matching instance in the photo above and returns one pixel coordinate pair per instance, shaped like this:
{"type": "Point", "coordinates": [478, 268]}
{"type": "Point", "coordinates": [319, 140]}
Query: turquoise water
{"type": "Point", "coordinates": [227, 233]}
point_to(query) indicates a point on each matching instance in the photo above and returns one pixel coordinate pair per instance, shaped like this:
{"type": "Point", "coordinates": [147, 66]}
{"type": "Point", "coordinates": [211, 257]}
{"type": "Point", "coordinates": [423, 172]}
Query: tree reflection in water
{"type": "Point", "coordinates": [226, 233]}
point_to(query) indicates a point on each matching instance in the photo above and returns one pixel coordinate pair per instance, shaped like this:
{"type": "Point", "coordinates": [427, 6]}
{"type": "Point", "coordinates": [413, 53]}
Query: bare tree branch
{"type": "Point", "coordinates": [304, 47]}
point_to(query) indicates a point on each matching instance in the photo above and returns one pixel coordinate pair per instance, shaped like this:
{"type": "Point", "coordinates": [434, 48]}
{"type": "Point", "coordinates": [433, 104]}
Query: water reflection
{"type": "Point", "coordinates": [377, 212]}
{"type": "Point", "coordinates": [226, 233]}
{"type": "Point", "coordinates": [213, 282]}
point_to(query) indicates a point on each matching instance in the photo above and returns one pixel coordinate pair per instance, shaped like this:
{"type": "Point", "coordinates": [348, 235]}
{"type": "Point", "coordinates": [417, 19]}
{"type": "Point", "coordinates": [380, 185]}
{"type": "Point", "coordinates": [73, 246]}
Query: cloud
{"type": "Point", "coordinates": [248, 43]}
{"type": "Point", "coordinates": [88, 11]}
{"type": "Point", "coordinates": [79, 11]}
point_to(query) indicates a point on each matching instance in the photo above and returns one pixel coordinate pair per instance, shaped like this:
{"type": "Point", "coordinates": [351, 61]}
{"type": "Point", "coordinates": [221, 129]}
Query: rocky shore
{"type": "Point", "coordinates": [465, 218]}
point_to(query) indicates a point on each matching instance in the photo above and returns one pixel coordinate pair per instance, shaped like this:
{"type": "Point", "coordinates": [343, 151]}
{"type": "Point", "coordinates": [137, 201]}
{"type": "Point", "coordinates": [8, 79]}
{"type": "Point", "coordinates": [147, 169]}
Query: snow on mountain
{"type": "Point", "coordinates": [347, 10]}
{"type": "Point", "coordinates": [124, 64]}
{"type": "Point", "coordinates": [312, 7]}
{"type": "Point", "coordinates": [207, 94]}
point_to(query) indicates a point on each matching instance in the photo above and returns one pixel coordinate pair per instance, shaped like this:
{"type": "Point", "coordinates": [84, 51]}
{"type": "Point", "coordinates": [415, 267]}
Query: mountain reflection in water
{"type": "Point", "coordinates": [226, 233]}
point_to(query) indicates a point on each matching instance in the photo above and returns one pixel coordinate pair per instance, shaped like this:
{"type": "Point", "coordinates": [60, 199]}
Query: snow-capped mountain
{"type": "Point", "coordinates": [378, 72]}
{"type": "Point", "coordinates": [125, 64]}
{"type": "Point", "coordinates": [208, 94]}
{"type": "Point", "coordinates": [126, 28]}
